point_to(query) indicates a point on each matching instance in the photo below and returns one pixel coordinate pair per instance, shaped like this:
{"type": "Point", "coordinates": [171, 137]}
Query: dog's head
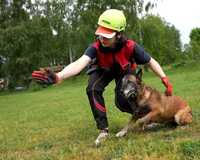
{"type": "Point", "coordinates": [130, 84]}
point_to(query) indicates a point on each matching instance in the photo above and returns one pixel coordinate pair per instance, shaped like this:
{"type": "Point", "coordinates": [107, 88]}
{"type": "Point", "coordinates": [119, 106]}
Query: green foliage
{"type": "Point", "coordinates": [161, 39]}
{"type": "Point", "coordinates": [195, 43]}
{"type": "Point", "coordinates": [24, 49]}
{"type": "Point", "coordinates": [195, 35]}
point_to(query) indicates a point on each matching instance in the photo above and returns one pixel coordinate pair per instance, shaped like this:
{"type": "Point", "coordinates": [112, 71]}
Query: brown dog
{"type": "Point", "coordinates": [152, 106]}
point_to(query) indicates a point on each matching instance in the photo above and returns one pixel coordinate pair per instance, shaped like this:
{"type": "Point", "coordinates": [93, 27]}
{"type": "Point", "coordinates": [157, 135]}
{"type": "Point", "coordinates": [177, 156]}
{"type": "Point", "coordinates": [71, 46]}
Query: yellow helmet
{"type": "Point", "coordinates": [113, 19]}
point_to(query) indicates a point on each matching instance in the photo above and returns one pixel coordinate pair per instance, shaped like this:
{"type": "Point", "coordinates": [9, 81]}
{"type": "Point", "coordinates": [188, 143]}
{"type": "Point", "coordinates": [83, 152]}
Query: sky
{"type": "Point", "coordinates": [183, 14]}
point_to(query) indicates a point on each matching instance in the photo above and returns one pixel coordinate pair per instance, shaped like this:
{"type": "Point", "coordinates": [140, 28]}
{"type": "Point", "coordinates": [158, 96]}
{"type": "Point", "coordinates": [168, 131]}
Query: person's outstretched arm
{"type": "Point", "coordinates": [74, 68]}
{"type": "Point", "coordinates": [48, 77]}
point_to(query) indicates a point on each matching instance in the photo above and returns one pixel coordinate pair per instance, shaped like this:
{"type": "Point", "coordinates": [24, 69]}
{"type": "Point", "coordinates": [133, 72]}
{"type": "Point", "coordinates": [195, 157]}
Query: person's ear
{"type": "Point", "coordinates": [118, 36]}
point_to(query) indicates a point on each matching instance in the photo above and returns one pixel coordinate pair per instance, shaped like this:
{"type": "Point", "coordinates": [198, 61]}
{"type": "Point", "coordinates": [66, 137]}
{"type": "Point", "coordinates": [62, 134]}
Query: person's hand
{"type": "Point", "coordinates": [168, 85]}
{"type": "Point", "coordinates": [45, 77]}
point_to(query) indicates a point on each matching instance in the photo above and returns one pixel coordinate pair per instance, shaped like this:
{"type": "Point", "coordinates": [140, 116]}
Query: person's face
{"type": "Point", "coordinates": [107, 42]}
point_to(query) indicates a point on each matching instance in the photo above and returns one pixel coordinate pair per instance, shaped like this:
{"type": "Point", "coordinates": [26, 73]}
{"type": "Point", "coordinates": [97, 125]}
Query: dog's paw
{"type": "Point", "coordinates": [101, 137]}
{"type": "Point", "coordinates": [121, 134]}
{"type": "Point", "coordinates": [184, 127]}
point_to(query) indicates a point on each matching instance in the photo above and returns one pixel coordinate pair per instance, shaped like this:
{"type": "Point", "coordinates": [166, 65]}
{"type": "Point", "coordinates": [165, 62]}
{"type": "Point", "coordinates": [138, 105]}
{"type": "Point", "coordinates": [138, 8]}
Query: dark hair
{"type": "Point", "coordinates": [120, 38]}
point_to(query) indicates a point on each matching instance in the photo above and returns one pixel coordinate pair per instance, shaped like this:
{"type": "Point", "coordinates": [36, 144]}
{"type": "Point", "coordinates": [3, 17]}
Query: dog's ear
{"type": "Point", "coordinates": [138, 74]}
{"type": "Point", "coordinates": [132, 78]}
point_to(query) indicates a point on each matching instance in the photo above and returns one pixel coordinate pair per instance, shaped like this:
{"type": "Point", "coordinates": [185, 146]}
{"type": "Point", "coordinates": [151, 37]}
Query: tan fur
{"type": "Point", "coordinates": [162, 109]}
{"type": "Point", "coordinates": [165, 108]}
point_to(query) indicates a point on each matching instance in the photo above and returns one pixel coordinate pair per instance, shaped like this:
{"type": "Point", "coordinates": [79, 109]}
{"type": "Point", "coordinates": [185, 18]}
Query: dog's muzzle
{"type": "Point", "coordinates": [131, 94]}
{"type": "Point", "coordinates": [128, 88]}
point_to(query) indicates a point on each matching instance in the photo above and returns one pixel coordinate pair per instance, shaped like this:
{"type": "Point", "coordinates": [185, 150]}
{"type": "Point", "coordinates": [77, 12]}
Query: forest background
{"type": "Point", "coordinates": [36, 34]}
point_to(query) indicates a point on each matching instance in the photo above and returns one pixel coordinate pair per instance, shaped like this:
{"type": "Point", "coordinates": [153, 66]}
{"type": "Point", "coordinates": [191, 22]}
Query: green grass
{"type": "Point", "coordinates": [56, 123]}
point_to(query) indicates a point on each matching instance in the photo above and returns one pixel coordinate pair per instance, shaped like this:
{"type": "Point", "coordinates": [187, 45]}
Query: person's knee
{"type": "Point", "coordinates": [91, 89]}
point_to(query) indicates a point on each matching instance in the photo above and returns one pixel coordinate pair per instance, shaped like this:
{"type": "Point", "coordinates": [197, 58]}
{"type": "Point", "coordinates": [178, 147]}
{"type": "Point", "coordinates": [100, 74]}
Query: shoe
{"type": "Point", "coordinates": [103, 135]}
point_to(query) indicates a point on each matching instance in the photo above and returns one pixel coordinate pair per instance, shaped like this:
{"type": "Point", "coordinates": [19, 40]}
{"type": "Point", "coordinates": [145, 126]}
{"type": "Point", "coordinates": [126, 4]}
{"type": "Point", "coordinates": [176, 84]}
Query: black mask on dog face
{"type": "Point", "coordinates": [129, 86]}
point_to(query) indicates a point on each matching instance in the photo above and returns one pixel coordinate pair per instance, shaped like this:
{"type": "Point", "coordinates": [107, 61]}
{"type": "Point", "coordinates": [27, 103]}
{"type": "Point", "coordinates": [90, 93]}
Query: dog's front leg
{"type": "Point", "coordinates": [146, 119]}
{"type": "Point", "coordinates": [127, 128]}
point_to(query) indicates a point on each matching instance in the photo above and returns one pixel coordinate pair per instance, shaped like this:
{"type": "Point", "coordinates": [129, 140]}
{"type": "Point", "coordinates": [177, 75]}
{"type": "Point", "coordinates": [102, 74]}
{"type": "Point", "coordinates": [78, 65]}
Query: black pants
{"type": "Point", "coordinates": [98, 80]}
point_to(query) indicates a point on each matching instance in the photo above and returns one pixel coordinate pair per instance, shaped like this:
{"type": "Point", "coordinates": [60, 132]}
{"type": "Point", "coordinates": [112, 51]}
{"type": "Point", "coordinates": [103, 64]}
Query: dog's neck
{"type": "Point", "coordinates": [144, 93]}
{"type": "Point", "coordinates": [147, 91]}
{"type": "Point", "coordinates": [147, 94]}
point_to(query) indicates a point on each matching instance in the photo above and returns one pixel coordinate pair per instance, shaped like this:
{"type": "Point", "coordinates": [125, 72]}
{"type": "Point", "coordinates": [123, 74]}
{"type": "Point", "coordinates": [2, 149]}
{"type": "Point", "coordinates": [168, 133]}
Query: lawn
{"type": "Point", "coordinates": [56, 123]}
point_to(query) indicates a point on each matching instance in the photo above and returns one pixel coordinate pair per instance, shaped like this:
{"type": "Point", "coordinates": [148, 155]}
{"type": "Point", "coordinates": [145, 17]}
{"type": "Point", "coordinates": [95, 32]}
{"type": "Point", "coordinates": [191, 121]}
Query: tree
{"type": "Point", "coordinates": [195, 43]}
{"type": "Point", "coordinates": [161, 39]}
{"type": "Point", "coordinates": [26, 39]}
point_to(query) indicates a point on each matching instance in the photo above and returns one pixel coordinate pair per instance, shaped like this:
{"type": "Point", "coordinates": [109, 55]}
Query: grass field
{"type": "Point", "coordinates": [56, 123]}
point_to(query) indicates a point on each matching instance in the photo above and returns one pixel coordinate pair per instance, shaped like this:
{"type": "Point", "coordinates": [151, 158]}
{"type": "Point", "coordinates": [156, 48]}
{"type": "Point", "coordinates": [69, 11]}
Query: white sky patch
{"type": "Point", "coordinates": [183, 14]}
{"type": "Point", "coordinates": [54, 32]}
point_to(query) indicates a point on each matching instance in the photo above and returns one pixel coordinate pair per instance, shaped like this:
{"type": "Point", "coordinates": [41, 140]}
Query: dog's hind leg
{"type": "Point", "coordinates": [184, 116]}
{"type": "Point", "coordinates": [127, 128]}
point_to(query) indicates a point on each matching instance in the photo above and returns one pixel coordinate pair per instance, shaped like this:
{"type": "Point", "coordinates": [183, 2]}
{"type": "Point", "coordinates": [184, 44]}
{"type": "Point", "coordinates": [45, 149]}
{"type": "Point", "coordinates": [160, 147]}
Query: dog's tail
{"type": "Point", "coordinates": [184, 116]}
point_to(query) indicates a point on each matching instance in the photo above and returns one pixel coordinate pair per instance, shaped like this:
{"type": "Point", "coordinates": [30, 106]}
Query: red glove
{"type": "Point", "coordinates": [45, 77]}
{"type": "Point", "coordinates": [169, 87]}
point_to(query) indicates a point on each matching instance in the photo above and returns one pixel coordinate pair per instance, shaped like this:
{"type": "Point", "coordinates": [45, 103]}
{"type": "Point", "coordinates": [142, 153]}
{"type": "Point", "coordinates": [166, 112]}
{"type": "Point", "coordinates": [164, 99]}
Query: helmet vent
{"type": "Point", "coordinates": [107, 22]}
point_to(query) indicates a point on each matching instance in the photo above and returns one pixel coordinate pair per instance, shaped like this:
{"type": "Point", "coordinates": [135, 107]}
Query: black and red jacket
{"type": "Point", "coordinates": [124, 56]}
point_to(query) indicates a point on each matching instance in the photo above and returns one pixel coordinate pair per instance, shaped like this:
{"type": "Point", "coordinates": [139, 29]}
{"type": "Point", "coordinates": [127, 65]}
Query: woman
{"type": "Point", "coordinates": [111, 56]}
